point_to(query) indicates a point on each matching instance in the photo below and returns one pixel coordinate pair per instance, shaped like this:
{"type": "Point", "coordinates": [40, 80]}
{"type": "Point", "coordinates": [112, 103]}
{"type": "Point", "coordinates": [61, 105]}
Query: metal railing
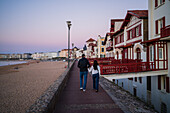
{"type": "Point", "coordinates": [127, 68]}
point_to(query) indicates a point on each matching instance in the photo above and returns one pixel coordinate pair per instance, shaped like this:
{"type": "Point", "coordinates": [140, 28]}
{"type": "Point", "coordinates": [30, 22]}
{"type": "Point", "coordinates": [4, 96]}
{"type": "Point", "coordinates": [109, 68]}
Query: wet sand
{"type": "Point", "coordinates": [22, 84]}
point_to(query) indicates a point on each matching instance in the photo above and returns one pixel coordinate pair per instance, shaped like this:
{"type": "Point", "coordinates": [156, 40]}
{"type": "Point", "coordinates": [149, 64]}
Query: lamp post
{"type": "Point", "coordinates": [69, 25]}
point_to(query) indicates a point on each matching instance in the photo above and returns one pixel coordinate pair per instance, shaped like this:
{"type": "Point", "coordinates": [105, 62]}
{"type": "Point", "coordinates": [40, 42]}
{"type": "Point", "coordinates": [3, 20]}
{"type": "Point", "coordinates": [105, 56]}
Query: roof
{"type": "Point", "coordinates": [90, 40]}
{"type": "Point", "coordinates": [91, 44]}
{"type": "Point", "coordinates": [141, 14]}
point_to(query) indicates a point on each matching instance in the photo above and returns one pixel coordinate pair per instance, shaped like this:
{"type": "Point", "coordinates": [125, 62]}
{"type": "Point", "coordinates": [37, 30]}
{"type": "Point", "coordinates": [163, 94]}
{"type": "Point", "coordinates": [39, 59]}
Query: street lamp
{"type": "Point", "coordinates": [69, 25]}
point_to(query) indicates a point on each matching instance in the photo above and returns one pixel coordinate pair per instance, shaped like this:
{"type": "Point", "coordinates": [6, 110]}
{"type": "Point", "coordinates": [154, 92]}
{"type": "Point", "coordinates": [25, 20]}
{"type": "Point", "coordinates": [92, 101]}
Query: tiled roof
{"type": "Point", "coordinates": [90, 40]}
{"type": "Point", "coordinates": [139, 13]}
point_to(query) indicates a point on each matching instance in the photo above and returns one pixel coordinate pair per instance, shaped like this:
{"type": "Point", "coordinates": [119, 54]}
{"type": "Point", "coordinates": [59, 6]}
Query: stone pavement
{"type": "Point", "coordinates": [72, 100]}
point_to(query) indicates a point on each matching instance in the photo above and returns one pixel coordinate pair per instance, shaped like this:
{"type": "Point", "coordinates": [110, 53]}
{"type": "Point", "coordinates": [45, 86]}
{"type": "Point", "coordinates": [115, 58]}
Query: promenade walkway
{"type": "Point", "coordinates": [72, 100]}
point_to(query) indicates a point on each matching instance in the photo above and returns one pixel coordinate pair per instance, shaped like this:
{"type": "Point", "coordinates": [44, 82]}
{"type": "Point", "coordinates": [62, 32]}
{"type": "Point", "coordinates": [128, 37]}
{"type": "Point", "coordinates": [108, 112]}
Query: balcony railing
{"type": "Point", "coordinates": [127, 68]}
{"type": "Point", "coordinates": [165, 32]}
{"type": "Point", "coordinates": [111, 60]}
{"type": "Point", "coordinates": [109, 48]}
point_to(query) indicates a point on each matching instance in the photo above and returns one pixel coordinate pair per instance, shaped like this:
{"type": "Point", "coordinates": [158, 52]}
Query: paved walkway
{"type": "Point", "coordinates": [72, 100]}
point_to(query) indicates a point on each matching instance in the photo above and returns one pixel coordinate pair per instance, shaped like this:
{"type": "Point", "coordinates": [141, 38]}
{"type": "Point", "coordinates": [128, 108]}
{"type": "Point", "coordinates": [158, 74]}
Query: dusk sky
{"type": "Point", "coordinates": [40, 25]}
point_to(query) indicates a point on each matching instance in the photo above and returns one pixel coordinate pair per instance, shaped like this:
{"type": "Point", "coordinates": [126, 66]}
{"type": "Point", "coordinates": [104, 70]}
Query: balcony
{"type": "Point", "coordinates": [127, 68]}
{"type": "Point", "coordinates": [114, 66]}
{"type": "Point", "coordinates": [165, 32]}
{"type": "Point", "coordinates": [109, 48]}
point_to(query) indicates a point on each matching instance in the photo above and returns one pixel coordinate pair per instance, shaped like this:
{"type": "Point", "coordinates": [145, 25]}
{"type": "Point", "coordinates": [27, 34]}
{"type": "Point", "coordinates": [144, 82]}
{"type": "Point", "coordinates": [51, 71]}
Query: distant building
{"type": "Point", "coordinates": [91, 45]}
{"type": "Point", "coordinates": [79, 53]}
{"type": "Point", "coordinates": [74, 50]}
{"type": "Point", "coordinates": [4, 56]}
{"type": "Point", "coordinates": [26, 56]}
{"type": "Point", "coordinates": [64, 53]}
{"type": "Point", "coordinates": [15, 56]}
{"type": "Point", "coordinates": [38, 56]}
{"type": "Point", "coordinates": [101, 50]}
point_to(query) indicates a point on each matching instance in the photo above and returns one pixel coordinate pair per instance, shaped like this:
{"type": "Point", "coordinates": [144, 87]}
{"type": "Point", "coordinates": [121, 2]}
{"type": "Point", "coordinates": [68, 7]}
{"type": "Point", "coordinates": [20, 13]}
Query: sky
{"type": "Point", "coordinates": [28, 26]}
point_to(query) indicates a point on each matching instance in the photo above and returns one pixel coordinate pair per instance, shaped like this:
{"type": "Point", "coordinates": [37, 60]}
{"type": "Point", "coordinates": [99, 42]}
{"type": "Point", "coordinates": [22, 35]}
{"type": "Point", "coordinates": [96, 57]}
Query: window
{"type": "Point", "coordinates": [163, 83]}
{"type": "Point", "coordinates": [159, 24]}
{"type": "Point", "coordinates": [160, 53]}
{"type": "Point", "coordinates": [138, 53]}
{"type": "Point", "coordinates": [140, 79]}
{"type": "Point", "coordinates": [137, 31]}
{"type": "Point", "coordinates": [102, 42]}
{"type": "Point", "coordinates": [130, 33]}
{"type": "Point", "coordinates": [159, 2]}
{"type": "Point", "coordinates": [151, 53]}
{"type": "Point", "coordinates": [102, 49]}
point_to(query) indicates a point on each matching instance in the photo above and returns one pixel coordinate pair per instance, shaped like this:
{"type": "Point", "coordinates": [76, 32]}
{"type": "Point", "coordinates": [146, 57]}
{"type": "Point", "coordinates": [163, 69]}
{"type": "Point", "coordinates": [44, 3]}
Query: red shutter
{"type": "Point", "coordinates": [128, 35]}
{"type": "Point", "coordinates": [159, 82]}
{"type": "Point", "coordinates": [156, 3]}
{"type": "Point", "coordinates": [163, 21]}
{"type": "Point", "coordinates": [156, 26]}
{"type": "Point", "coordinates": [167, 85]}
{"type": "Point", "coordinates": [140, 30]}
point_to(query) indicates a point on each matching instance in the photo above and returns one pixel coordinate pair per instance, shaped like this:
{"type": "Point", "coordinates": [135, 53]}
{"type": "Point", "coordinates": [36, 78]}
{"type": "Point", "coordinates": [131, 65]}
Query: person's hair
{"type": "Point", "coordinates": [83, 55]}
{"type": "Point", "coordinates": [95, 64]}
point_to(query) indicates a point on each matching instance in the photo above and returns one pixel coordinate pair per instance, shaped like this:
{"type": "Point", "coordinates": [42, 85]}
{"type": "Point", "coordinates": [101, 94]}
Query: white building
{"type": "Point", "coordinates": [91, 45]}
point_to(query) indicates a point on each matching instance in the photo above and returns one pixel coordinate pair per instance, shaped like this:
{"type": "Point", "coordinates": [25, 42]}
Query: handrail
{"type": "Point", "coordinates": [127, 67]}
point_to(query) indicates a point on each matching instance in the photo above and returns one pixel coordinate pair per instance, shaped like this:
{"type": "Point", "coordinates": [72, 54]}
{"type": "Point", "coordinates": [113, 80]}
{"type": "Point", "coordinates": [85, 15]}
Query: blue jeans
{"type": "Point", "coordinates": [95, 81]}
{"type": "Point", "coordinates": [85, 79]}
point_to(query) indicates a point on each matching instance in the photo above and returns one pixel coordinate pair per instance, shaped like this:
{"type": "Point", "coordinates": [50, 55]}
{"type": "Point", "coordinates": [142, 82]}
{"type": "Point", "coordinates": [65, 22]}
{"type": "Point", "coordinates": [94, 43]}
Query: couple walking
{"type": "Point", "coordinates": [84, 66]}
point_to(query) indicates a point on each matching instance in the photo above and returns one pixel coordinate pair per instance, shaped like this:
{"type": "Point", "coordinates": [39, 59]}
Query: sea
{"type": "Point", "coordinates": [5, 63]}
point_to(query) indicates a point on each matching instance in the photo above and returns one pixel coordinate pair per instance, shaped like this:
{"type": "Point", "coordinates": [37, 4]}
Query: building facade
{"type": "Point", "coordinates": [101, 50]}
{"type": "Point", "coordinates": [91, 45]}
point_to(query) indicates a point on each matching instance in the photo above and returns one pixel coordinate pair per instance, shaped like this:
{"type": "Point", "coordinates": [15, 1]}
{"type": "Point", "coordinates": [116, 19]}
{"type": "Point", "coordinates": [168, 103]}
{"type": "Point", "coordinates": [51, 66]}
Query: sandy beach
{"type": "Point", "coordinates": [22, 84]}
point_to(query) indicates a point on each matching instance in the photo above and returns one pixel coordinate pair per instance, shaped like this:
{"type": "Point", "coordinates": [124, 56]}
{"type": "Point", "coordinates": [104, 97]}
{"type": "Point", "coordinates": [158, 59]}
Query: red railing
{"type": "Point", "coordinates": [165, 32]}
{"type": "Point", "coordinates": [109, 48]}
{"type": "Point", "coordinates": [111, 60]}
{"type": "Point", "coordinates": [127, 67]}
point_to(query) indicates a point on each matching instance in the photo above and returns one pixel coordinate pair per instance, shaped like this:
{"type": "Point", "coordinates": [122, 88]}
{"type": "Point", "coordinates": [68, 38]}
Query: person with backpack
{"type": "Point", "coordinates": [83, 64]}
{"type": "Point", "coordinates": [95, 69]}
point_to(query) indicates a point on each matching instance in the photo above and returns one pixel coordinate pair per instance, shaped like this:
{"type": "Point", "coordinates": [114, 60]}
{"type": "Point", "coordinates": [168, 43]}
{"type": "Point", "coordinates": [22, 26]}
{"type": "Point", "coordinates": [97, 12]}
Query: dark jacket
{"type": "Point", "coordinates": [83, 64]}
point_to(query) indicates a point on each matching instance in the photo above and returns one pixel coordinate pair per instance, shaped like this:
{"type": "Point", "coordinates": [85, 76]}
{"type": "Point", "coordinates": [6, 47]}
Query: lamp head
{"type": "Point", "coordinates": [69, 23]}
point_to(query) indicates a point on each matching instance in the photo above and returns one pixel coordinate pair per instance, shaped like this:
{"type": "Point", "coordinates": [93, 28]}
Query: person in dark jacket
{"type": "Point", "coordinates": [83, 64]}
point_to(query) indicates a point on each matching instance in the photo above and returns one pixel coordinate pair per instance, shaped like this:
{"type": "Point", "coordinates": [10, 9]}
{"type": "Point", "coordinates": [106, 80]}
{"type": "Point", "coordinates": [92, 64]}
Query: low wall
{"type": "Point", "coordinates": [47, 101]}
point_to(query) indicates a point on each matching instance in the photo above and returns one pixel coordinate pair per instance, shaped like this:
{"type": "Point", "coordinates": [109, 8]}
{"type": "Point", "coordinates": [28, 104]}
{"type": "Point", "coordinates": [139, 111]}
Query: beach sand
{"type": "Point", "coordinates": [20, 87]}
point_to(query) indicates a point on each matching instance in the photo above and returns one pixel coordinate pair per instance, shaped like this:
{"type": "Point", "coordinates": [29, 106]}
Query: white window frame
{"type": "Point", "coordinates": [151, 53]}
{"type": "Point", "coordinates": [163, 83]}
{"type": "Point", "coordinates": [161, 53]}
{"type": "Point", "coordinates": [137, 31]}
{"type": "Point", "coordinates": [130, 34]}
{"type": "Point", "coordinates": [160, 25]}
